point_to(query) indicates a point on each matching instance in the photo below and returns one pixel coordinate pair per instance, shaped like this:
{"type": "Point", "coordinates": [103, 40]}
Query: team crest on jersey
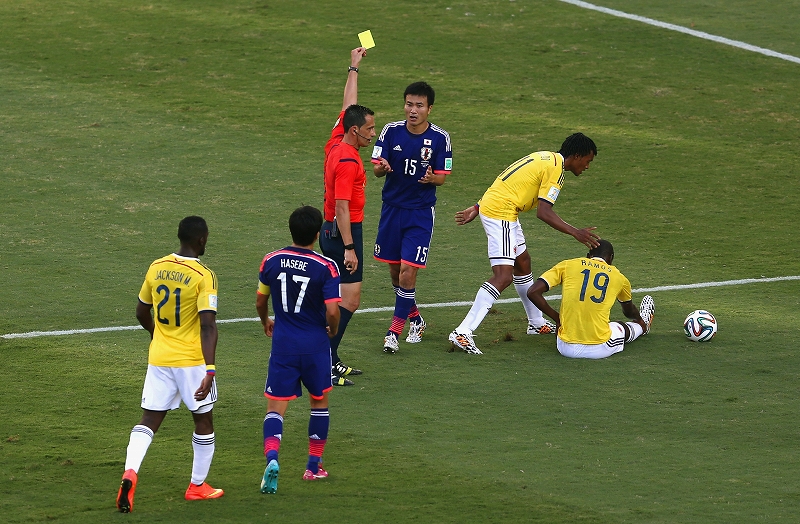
{"type": "Point", "coordinates": [426, 141]}
{"type": "Point", "coordinates": [426, 153]}
{"type": "Point", "coordinates": [376, 151]}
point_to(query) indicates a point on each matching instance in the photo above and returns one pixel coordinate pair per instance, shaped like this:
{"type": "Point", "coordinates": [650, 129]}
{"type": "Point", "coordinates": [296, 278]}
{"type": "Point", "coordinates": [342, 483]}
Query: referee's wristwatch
{"type": "Point", "coordinates": [351, 247]}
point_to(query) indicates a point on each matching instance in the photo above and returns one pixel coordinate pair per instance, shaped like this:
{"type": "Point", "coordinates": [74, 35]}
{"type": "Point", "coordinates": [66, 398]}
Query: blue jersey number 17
{"type": "Point", "coordinates": [300, 296]}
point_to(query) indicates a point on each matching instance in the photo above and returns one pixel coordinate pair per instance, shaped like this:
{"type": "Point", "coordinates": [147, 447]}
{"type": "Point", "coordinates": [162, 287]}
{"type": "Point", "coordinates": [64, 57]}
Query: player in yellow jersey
{"type": "Point", "coordinates": [532, 182]}
{"type": "Point", "coordinates": [181, 359]}
{"type": "Point", "coordinates": [590, 286]}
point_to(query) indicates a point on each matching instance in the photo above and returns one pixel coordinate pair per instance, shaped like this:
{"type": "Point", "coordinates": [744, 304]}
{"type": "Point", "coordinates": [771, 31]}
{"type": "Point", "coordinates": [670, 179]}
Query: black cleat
{"type": "Point", "coordinates": [341, 381]}
{"type": "Point", "coordinates": [342, 369]}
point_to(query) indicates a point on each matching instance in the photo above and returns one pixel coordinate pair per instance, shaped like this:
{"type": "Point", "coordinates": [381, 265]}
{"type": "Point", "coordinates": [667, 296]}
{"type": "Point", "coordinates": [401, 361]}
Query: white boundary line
{"type": "Point", "coordinates": [680, 29]}
{"type": "Point", "coordinates": [34, 334]}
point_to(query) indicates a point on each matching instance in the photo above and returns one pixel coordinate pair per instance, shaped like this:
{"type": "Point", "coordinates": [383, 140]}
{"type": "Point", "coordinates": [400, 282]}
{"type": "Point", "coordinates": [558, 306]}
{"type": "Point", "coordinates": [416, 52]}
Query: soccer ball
{"type": "Point", "coordinates": [700, 326]}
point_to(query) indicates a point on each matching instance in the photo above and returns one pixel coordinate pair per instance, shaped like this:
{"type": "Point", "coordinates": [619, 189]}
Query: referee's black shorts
{"type": "Point", "coordinates": [333, 247]}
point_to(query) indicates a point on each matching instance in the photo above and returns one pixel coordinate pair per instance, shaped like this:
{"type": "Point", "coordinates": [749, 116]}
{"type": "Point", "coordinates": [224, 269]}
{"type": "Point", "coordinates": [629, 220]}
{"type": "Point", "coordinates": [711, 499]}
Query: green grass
{"type": "Point", "coordinates": [120, 118]}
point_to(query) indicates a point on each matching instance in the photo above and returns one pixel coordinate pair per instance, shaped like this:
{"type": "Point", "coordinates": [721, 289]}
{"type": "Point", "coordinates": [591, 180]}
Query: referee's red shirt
{"type": "Point", "coordinates": [345, 177]}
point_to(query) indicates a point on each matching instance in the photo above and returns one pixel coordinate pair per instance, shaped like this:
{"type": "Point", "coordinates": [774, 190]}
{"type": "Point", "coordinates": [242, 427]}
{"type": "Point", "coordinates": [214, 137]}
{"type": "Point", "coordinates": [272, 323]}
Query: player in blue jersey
{"type": "Point", "coordinates": [415, 156]}
{"type": "Point", "coordinates": [304, 286]}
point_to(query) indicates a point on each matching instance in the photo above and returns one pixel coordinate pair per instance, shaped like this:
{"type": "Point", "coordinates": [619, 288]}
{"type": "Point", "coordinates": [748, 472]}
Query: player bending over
{"type": "Point", "coordinates": [532, 182]}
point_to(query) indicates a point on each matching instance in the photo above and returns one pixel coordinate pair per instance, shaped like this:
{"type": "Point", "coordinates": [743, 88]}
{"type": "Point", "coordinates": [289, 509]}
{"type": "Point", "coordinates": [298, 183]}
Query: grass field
{"type": "Point", "coordinates": [120, 118]}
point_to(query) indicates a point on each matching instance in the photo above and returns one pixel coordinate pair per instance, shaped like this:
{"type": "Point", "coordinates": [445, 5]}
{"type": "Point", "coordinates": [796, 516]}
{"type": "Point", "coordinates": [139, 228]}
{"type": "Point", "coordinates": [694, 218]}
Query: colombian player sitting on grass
{"type": "Point", "coordinates": [532, 182]}
{"type": "Point", "coordinates": [304, 286]}
{"type": "Point", "coordinates": [181, 357]}
{"type": "Point", "coordinates": [590, 286]}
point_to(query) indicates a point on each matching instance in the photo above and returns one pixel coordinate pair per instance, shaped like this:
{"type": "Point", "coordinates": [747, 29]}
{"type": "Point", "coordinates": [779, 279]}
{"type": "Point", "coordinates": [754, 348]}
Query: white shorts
{"type": "Point", "coordinates": [165, 387]}
{"type": "Point", "coordinates": [506, 240]}
{"type": "Point", "coordinates": [615, 344]}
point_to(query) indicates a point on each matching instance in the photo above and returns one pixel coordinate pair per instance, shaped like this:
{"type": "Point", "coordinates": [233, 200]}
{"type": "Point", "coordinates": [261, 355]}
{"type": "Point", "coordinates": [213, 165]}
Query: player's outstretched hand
{"type": "Point", "coordinates": [466, 216]}
{"type": "Point", "coordinates": [205, 387]}
{"type": "Point", "coordinates": [269, 327]}
{"type": "Point", "coordinates": [587, 237]}
{"type": "Point", "coordinates": [356, 55]}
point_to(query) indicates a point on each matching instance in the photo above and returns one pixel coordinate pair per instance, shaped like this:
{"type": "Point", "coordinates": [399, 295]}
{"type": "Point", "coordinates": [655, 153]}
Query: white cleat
{"type": "Point", "coordinates": [390, 344]}
{"type": "Point", "coordinates": [415, 331]}
{"type": "Point", "coordinates": [647, 311]}
{"type": "Point", "coordinates": [464, 342]}
{"type": "Point", "coordinates": [548, 328]}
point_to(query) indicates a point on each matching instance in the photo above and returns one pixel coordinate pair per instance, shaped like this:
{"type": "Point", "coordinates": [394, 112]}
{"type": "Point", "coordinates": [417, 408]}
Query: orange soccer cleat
{"type": "Point", "coordinates": [202, 492]}
{"type": "Point", "coordinates": [126, 490]}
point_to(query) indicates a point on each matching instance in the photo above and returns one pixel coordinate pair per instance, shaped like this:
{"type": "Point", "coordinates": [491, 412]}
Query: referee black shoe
{"type": "Point", "coordinates": [336, 380]}
{"type": "Point", "coordinates": [342, 369]}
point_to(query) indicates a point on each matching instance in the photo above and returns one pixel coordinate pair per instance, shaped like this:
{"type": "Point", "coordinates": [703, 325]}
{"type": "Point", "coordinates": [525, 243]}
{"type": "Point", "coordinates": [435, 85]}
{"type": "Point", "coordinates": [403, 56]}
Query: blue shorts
{"type": "Point", "coordinates": [404, 235]}
{"type": "Point", "coordinates": [333, 248]}
{"type": "Point", "coordinates": [286, 372]}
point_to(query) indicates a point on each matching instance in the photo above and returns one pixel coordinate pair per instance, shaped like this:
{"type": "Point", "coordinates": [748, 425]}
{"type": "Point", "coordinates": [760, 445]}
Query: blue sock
{"type": "Point", "coordinates": [318, 424]}
{"type": "Point", "coordinates": [273, 432]}
{"type": "Point", "coordinates": [403, 303]}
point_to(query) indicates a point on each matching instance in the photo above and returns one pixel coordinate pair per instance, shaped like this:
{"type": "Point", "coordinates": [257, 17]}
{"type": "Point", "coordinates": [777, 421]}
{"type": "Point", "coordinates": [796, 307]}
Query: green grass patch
{"type": "Point", "coordinates": [120, 118]}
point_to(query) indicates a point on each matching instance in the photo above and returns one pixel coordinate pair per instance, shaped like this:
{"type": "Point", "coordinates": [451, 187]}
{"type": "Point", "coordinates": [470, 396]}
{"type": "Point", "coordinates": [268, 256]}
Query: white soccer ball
{"type": "Point", "coordinates": [700, 326]}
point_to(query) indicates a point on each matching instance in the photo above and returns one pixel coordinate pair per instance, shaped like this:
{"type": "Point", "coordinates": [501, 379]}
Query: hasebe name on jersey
{"type": "Point", "coordinates": [293, 263]}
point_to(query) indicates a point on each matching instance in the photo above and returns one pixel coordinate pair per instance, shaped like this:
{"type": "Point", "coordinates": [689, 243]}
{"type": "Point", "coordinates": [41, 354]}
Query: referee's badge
{"type": "Point", "coordinates": [426, 153]}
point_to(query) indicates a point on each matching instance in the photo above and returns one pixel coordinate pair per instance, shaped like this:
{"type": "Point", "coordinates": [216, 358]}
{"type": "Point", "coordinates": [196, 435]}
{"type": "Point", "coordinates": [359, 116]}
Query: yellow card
{"type": "Point", "coordinates": [366, 39]}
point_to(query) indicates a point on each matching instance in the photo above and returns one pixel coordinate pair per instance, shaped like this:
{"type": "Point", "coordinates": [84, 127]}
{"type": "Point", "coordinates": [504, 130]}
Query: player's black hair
{"type": "Point", "coordinates": [577, 144]}
{"type": "Point", "coordinates": [304, 223]}
{"type": "Point", "coordinates": [355, 115]}
{"type": "Point", "coordinates": [421, 89]}
{"type": "Point", "coordinates": [191, 229]}
{"type": "Point", "coordinates": [605, 251]}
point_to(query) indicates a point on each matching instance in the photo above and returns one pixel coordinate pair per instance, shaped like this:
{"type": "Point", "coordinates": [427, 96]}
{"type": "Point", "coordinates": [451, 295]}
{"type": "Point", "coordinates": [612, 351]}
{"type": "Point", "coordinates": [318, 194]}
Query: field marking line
{"type": "Point", "coordinates": [685, 30]}
{"type": "Point", "coordinates": [699, 285]}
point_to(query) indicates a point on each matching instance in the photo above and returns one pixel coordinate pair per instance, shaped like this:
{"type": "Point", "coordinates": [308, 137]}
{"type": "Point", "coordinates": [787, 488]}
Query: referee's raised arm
{"type": "Point", "coordinates": [351, 87]}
